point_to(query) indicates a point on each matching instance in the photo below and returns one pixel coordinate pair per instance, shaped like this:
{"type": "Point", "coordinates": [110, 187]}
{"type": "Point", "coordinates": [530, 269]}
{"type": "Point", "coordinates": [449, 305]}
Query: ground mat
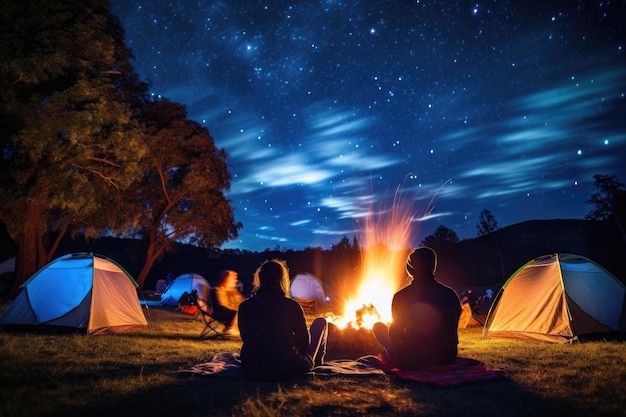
{"type": "Point", "coordinates": [462, 371]}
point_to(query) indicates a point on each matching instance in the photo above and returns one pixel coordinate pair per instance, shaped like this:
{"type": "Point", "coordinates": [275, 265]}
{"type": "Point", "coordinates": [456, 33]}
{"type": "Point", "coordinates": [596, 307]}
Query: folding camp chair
{"type": "Point", "coordinates": [211, 324]}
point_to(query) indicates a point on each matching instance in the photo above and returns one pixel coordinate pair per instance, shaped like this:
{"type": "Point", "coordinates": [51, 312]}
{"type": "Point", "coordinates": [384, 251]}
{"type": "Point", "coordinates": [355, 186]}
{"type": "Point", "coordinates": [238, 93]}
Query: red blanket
{"type": "Point", "coordinates": [461, 371]}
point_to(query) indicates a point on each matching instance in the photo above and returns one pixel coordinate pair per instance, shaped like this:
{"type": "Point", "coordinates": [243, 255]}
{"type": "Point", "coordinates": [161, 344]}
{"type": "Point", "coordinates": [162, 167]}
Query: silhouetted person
{"type": "Point", "coordinates": [425, 317]}
{"type": "Point", "coordinates": [276, 342]}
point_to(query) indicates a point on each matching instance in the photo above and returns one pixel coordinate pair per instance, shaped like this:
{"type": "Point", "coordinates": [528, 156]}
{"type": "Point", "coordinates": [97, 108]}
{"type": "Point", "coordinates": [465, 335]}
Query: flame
{"type": "Point", "coordinates": [387, 237]}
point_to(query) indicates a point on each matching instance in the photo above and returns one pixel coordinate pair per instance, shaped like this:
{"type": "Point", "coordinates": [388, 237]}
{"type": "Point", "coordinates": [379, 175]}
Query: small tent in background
{"type": "Point", "coordinates": [79, 291]}
{"type": "Point", "coordinates": [306, 286]}
{"type": "Point", "coordinates": [558, 298]}
{"type": "Point", "coordinates": [185, 283]}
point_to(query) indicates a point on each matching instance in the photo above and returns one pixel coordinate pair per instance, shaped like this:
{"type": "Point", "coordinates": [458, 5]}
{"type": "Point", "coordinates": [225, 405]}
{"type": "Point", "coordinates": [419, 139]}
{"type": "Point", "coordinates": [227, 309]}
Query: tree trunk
{"type": "Point", "coordinates": [152, 254]}
{"type": "Point", "coordinates": [31, 254]}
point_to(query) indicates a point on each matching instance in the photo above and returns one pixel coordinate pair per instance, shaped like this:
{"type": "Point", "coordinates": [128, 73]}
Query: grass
{"type": "Point", "coordinates": [120, 375]}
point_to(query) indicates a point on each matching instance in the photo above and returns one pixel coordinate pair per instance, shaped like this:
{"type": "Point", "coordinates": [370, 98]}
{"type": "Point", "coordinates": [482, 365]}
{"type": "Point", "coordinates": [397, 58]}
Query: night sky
{"type": "Point", "coordinates": [326, 108]}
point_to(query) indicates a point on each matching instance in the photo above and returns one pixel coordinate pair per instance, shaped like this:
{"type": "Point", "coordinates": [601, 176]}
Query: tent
{"type": "Point", "coordinates": [306, 286]}
{"type": "Point", "coordinates": [79, 292]}
{"type": "Point", "coordinates": [558, 298]}
{"type": "Point", "coordinates": [185, 283]}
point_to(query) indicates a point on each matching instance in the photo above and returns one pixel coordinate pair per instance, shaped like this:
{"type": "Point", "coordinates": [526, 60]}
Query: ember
{"type": "Point", "coordinates": [350, 343]}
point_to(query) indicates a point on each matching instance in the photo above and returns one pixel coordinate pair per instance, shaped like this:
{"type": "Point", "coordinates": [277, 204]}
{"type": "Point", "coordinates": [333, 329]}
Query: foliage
{"type": "Point", "coordinates": [609, 201]}
{"type": "Point", "coordinates": [487, 223]}
{"type": "Point", "coordinates": [609, 188]}
{"type": "Point", "coordinates": [68, 140]}
{"type": "Point", "coordinates": [345, 245]}
{"type": "Point", "coordinates": [180, 196]}
{"type": "Point", "coordinates": [442, 236]}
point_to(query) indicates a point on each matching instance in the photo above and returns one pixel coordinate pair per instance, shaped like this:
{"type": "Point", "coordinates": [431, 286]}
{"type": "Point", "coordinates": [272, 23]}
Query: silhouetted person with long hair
{"type": "Point", "coordinates": [425, 318]}
{"type": "Point", "coordinates": [276, 342]}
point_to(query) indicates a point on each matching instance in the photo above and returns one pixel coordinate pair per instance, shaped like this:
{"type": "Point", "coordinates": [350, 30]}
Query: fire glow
{"type": "Point", "coordinates": [387, 237]}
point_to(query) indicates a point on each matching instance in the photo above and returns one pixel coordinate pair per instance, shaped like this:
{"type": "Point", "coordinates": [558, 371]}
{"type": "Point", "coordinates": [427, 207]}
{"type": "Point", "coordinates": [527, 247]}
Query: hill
{"type": "Point", "coordinates": [485, 261]}
{"type": "Point", "coordinates": [490, 260]}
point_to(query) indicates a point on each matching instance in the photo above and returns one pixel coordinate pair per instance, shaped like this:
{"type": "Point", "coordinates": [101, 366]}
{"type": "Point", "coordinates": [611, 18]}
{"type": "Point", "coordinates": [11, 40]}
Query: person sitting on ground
{"type": "Point", "coordinates": [226, 300]}
{"type": "Point", "coordinates": [425, 316]}
{"type": "Point", "coordinates": [187, 302]}
{"type": "Point", "coordinates": [276, 342]}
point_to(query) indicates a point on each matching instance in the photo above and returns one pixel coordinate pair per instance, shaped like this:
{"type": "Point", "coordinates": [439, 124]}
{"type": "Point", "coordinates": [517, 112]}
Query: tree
{"type": "Point", "coordinates": [609, 188]}
{"type": "Point", "coordinates": [442, 236]}
{"type": "Point", "coordinates": [607, 200]}
{"type": "Point", "coordinates": [68, 140]}
{"type": "Point", "coordinates": [345, 245]}
{"type": "Point", "coordinates": [180, 196]}
{"type": "Point", "coordinates": [487, 223]}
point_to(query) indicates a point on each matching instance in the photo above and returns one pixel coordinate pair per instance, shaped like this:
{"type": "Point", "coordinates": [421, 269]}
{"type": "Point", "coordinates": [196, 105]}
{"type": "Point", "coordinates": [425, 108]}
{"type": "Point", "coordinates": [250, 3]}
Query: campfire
{"type": "Point", "coordinates": [383, 275]}
{"type": "Point", "coordinates": [387, 238]}
{"type": "Point", "coordinates": [350, 333]}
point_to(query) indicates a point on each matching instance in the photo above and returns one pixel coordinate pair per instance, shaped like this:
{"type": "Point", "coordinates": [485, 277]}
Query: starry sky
{"type": "Point", "coordinates": [332, 109]}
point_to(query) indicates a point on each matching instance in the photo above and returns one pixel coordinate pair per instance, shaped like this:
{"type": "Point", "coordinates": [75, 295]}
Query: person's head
{"type": "Point", "coordinates": [272, 275]}
{"type": "Point", "coordinates": [422, 261]}
{"type": "Point", "coordinates": [227, 278]}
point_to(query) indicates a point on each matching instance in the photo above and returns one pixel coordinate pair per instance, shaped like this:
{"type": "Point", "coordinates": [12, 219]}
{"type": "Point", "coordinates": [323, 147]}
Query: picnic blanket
{"type": "Point", "coordinates": [462, 371]}
{"type": "Point", "coordinates": [228, 364]}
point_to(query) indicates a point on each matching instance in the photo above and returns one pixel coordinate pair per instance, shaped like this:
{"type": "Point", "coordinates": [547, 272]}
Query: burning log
{"type": "Point", "coordinates": [350, 343]}
{"type": "Point", "coordinates": [353, 339]}
{"type": "Point", "coordinates": [366, 316]}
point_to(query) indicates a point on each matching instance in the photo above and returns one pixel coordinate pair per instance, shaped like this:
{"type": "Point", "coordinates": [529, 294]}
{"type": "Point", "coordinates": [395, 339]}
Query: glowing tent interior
{"type": "Point", "coordinates": [186, 282]}
{"type": "Point", "coordinates": [558, 298]}
{"type": "Point", "coordinates": [79, 291]}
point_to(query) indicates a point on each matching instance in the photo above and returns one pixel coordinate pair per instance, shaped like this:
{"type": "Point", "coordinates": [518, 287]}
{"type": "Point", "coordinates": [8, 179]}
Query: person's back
{"type": "Point", "coordinates": [275, 336]}
{"type": "Point", "coordinates": [277, 344]}
{"type": "Point", "coordinates": [425, 317]}
{"type": "Point", "coordinates": [424, 328]}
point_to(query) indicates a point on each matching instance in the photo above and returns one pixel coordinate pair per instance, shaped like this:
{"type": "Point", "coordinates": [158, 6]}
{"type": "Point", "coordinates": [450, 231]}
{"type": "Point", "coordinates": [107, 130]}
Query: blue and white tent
{"type": "Point", "coordinates": [185, 283]}
{"type": "Point", "coordinates": [79, 291]}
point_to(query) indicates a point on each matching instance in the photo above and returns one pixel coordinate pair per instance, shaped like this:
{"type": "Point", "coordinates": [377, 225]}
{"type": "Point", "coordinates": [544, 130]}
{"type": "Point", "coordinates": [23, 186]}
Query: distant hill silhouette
{"type": "Point", "coordinates": [490, 260]}
{"type": "Point", "coordinates": [477, 262]}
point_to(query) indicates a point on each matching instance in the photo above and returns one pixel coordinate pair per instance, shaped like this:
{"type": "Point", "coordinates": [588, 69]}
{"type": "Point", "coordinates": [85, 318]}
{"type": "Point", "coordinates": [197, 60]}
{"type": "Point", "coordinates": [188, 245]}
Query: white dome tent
{"type": "Point", "coordinates": [308, 290]}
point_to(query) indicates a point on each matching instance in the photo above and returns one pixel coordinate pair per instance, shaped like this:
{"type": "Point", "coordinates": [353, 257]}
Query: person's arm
{"type": "Point", "coordinates": [397, 327]}
{"type": "Point", "coordinates": [301, 334]}
{"type": "Point", "coordinates": [396, 333]}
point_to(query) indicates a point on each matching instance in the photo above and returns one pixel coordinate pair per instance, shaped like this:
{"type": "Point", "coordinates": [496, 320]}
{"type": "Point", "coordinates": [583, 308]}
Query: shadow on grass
{"type": "Point", "coordinates": [194, 395]}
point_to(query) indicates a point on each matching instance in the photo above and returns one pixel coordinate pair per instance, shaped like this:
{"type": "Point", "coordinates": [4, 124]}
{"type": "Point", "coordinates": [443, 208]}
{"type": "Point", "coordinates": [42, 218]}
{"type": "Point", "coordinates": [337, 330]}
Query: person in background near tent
{"type": "Point", "coordinates": [169, 279]}
{"type": "Point", "coordinates": [276, 342]}
{"type": "Point", "coordinates": [226, 300]}
{"type": "Point", "coordinates": [187, 302]}
{"type": "Point", "coordinates": [472, 300]}
{"type": "Point", "coordinates": [488, 293]}
{"type": "Point", "coordinates": [425, 317]}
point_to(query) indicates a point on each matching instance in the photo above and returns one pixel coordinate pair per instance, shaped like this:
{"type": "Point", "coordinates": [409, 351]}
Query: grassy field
{"type": "Point", "coordinates": [122, 375]}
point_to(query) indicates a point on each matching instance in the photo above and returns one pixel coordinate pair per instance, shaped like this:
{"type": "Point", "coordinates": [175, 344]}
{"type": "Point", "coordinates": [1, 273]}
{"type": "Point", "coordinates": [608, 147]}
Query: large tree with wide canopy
{"type": "Point", "coordinates": [180, 196]}
{"type": "Point", "coordinates": [70, 144]}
